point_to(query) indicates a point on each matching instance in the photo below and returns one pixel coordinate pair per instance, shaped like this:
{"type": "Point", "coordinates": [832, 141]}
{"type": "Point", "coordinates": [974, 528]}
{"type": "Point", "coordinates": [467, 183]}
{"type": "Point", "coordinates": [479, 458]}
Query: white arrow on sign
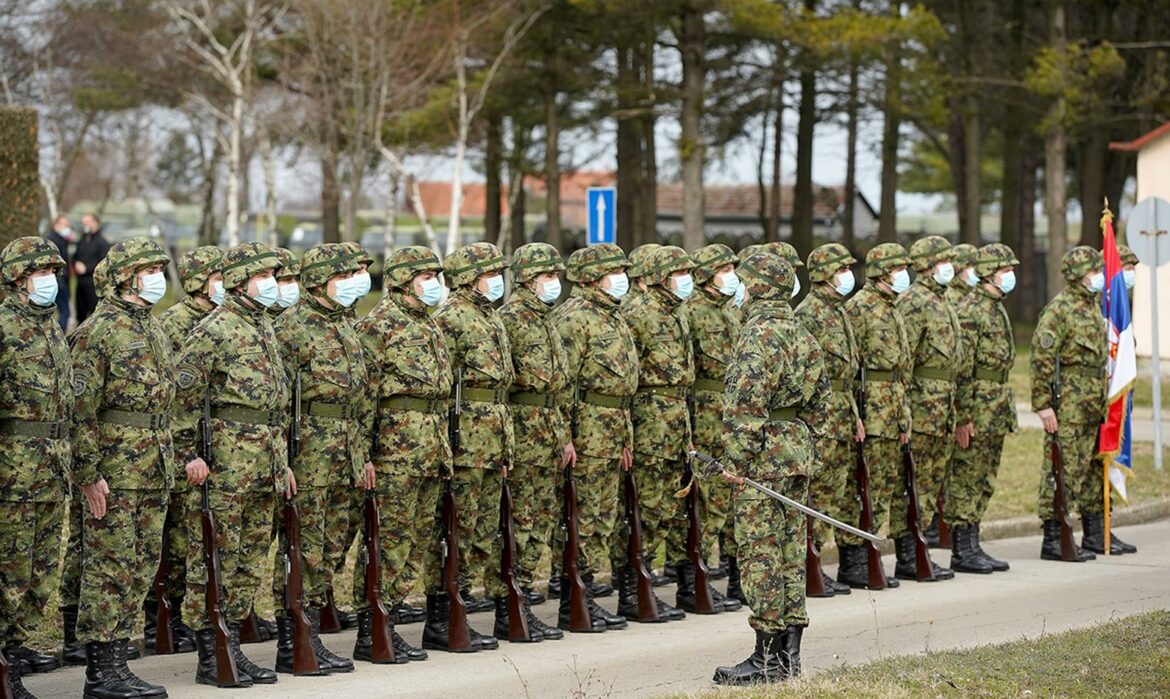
{"type": "Point", "coordinates": [601, 217]}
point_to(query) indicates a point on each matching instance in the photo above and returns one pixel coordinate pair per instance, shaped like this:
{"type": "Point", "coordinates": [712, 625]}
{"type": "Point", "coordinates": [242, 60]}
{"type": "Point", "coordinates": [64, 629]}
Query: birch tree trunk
{"type": "Point", "coordinates": [691, 139]}
{"type": "Point", "coordinates": [1055, 166]}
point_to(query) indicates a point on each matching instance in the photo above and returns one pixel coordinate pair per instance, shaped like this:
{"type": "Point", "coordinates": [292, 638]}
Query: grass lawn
{"type": "Point", "coordinates": [1127, 657]}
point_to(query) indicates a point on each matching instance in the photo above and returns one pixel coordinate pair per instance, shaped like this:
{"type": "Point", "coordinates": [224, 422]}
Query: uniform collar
{"type": "Point", "coordinates": [193, 305]}
{"type": "Point", "coordinates": [238, 306]}
{"type": "Point", "coordinates": [530, 300]}
{"type": "Point", "coordinates": [597, 295]}
{"type": "Point", "coordinates": [26, 308]}
{"type": "Point", "coordinates": [823, 291]}
{"type": "Point", "coordinates": [469, 294]}
{"type": "Point", "coordinates": [769, 308]}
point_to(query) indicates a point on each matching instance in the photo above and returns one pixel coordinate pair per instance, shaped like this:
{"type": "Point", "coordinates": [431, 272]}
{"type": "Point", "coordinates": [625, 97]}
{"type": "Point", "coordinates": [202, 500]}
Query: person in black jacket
{"type": "Point", "coordinates": [61, 235]}
{"type": "Point", "coordinates": [91, 249]}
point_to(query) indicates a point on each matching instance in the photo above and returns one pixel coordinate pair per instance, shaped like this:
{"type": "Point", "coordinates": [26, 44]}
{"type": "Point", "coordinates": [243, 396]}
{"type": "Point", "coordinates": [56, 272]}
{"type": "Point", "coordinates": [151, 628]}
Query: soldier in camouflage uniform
{"type": "Point", "coordinates": [36, 401]}
{"type": "Point", "coordinates": [637, 270]}
{"type": "Point", "coordinates": [985, 408]}
{"type": "Point", "coordinates": [775, 403]}
{"type": "Point", "coordinates": [543, 443]}
{"type": "Point", "coordinates": [935, 341]}
{"type": "Point", "coordinates": [822, 313]}
{"type": "Point", "coordinates": [288, 290]}
{"type": "Point", "coordinates": [601, 363]}
{"type": "Point", "coordinates": [478, 345]}
{"type": "Point", "coordinates": [200, 272]}
{"type": "Point", "coordinates": [887, 359]}
{"type": "Point", "coordinates": [1070, 337]}
{"type": "Point", "coordinates": [124, 388]}
{"type": "Point", "coordinates": [410, 381]}
{"type": "Point", "coordinates": [232, 360]}
{"type": "Point", "coordinates": [963, 258]}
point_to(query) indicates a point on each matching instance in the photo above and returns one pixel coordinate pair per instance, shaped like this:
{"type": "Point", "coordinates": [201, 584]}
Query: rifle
{"type": "Point", "coordinates": [304, 658]}
{"type": "Point", "coordinates": [647, 606]}
{"type": "Point", "coordinates": [5, 690]}
{"type": "Point", "coordinates": [876, 573]}
{"type": "Point", "coordinates": [571, 583]}
{"type": "Point", "coordinates": [381, 623]}
{"type": "Point", "coordinates": [458, 634]}
{"type": "Point", "coordinates": [517, 623]}
{"type": "Point", "coordinates": [164, 635]}
{"type": "Point", "coordinates": [923, 570]}
{"type": "Point", "coordinates": [226, 674]}
{"type": "Point", "coordinates": [1068, 543]}
{"type": "Point", "coordinates": [814, 578]}
{"type": "Point", "coordinates": [704, 604]}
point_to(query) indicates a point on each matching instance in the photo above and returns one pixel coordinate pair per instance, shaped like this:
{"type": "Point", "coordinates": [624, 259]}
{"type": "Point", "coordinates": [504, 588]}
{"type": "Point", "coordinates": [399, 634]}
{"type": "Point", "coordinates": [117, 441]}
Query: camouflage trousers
{"type": "Point", "coordinates": [834, 490]}
{"type": "Point", "coordinates": [663, 515]}
{"type": "Point", "coordinates": [177, 545]}
{"type": "Point", "coordinates": [409, 530]}
{"type": "Point", "coordinates": [120, 556]}
{"type": "Point", "coordinates": [971, 482]}
{"type": "Point", "coordinates": [715, 505]}
{"type": "Point", "coordinates": [348, 509]}
{"type": "Point", "coordinates": [30, 544]}
{"type": "Point", "coordinates": [243, 521]}
{"type": "Point", "coordinates": [477, 495]}
{"type": "Point", "coordinates": [884, 456]}
{"type": "Point", "coordinates": [932, 456]}
{"type": "Point", "coordinates": [535, 513]}
{"type": "Point", "coordinates": [597, 498]}
{"type": "Point", "coordinates": [771, 555]}
{"type": "Point", "coordinates": [323, 541]}
{"type": "Point", "coordinates": [1083, 478]}
{"type": "Point", "coordinates": [69, 590]}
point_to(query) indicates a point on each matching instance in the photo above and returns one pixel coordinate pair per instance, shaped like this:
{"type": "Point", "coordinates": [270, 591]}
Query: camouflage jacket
{"type": "Point", "coordinates": [602, 360]}
{"type": "Point", "coordinates": [233, 356]}
{"type": "Point", "coordinates": [1071, 329]}
{"type": "Point", "coordinates": [984, 396]}
{"type": "Point", "coordinates": [822, 313]}
{"type": "Point", "coordinates": [956, 291]}
{"type": "Point", "coordinates": [123, 372]}
{"type": "Point", "coordinates": [319, 345]}
{"type": "Point", "coordinates": [478, 345]}
{"type": "Point", "coordinates": [180, 319]}
{"type": "Point", "coordinates": [777, 364]}
{"type": "Point", "coordinates": [884, 348]}
{"type": "Point", "coordinates": [932, 329]}
{"type": "Point", "coordinates": [712, 342]}
{"type": "Point", "coordinates": [538, 363]}
{"type": "Point", "coordinates": [36, 386]}
{"type": "Point", "coordinates": [666, 362]}
{"type": "Point", "coordinates": [407, 361]}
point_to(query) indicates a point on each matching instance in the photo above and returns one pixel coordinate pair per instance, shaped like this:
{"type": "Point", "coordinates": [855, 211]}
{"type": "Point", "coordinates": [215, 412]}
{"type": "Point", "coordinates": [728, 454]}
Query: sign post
{"type": "Point", "coordinates": [601, 205]}
{"type": "Point", "coordinates": [1146, 235]}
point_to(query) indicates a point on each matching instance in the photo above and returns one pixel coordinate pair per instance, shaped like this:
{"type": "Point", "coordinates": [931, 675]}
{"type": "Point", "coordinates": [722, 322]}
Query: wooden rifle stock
{"type": "Point", "coordinates": [164, 634]}
{"type": "Point", "coordinates": [814, 579]}
{"type": "Point", "coordinates": [226, 673]}
{"type": "Point", "coordinates": [304, 657]}
{"type": "Point", "coordinates": [517, 623]}
{"type": "Point", "coordinates": [1068, 544]}
{"type": "Point", "coordinates": [923, 570]}
{"type": "Point", "coordinates": [573, 585]}
{"type": "Point", "coordinates": [704, 604]}
{"type": "Point", "coordinates": [380, 622]}
{"type": "Point", "coordinates": [458, 634]}
{"type": "Point", "coordinates": [647, 606]}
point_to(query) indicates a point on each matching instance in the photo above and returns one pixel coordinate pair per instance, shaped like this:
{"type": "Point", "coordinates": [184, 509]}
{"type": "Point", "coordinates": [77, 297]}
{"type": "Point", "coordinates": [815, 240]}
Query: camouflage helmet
{"type": "Point", "coordinates": [128, 256]}
{"type": "Point", "coordinates": [362, 255]}
{"type": "Point", "coordinates": [101, 279]}
{"type": "Point", "coordinates": [28, 254]}
{"type": "Point", "coordinates": [409, 262]}
{"type": "Point", "coordinates": [665, 261]}
{"type": "Point", "coordinates": [195, 267]}
{"type": "Point", "coordinates": [246, 260]}
{"type": "Point", "coordinates": [767, 277]}
{"type": "Point", "coordinates": [531, 260]}
{"type": "Point", "coordinates": [709, 259]}
{"type": "Point", "coordinates": [963, 255]}
{"type": "Point", "coordinates": [638, 257]}
{"type": "Point", "coordinates": [290, 268]}
{"type": "Point", "coordinates": [882, 259]}
{"type": "Point", "coordinates": [322, 262]}
{"type": "Point", "coordinates": [1079, 261]}
{"type": "Point", "coordinates": [470, 262]}
{"type": "Point", "coordinates": [1127, 256]}
{"type": "Point", "coordinates": [594, 262]}
{"type": "Point", "coordinates": [751, 250]}
{"type": "Point", "coordinates": [828, 259]}
{"type": "Point", "coordinates": [992, 257]}
{"type": "Point", "coordinates": [786, 252]}
{"type": "Point", "coordinates": [929, 251]}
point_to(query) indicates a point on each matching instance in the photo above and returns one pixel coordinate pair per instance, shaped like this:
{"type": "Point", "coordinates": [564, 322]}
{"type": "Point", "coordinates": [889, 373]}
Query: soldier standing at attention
{"type": "Point", "coordinates": [288, 290]}
{"type": "Point", "coordinates": [36, 402]}
{"type": "Point", "coordinates": [124, 389]}
{"type": "Point", "coordinates": [834, 489]}
{"type": "Point", "coordinates": [984, 406]}
{"type": "Point", "coordinates": [233, 360]}
{"type": "Point", "coordinates": [602, 369]}
{"type": "Point", "coordinates": [543, 443]}
{"type": "Point", "coordinates": [966, 279]}
{"type": "Point", "coordinates": [936, 347]}
{"type": "Point", "coordinates": [637, 270]}
{"type": "Point", "coordinates": [775, 402]}
{"type": "Point", "coordinates": [478, 345]}
{"type": "Point", "coordinates": [887, 359]}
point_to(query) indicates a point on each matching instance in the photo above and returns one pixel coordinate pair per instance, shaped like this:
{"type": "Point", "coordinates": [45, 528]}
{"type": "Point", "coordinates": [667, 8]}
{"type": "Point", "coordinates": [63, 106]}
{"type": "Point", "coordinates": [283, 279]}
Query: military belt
{"type": "Point", "coordinates": [882, 375]}
{"type": "Point", "coordinates": [603, 401]}
{"type": "Point", "coordinates": [923, 372]}
{"type": "Point", "coordinates": [1083, 370]}
{"type": "Point", "coordinates": [485, 395]}
{"type": "Point", "coordinates": [248, 416]}
{"type": "Point", "coordinates": [841, 385]}
{"type": "Point", "coordinates": [785, 414]}
{"type": "Point", "coordinates": [35, 428]}
{"type": "Point", "coordinates": [331, 410]}
{"type": "Point", "coordinates": [434, 406]}
{"type": "Point", "coordinates": [129, 418]}
{"type": "Point", "coordinates": [534, 398]}
{"type": "Point", "coordinates": [709, 385]}
{"type": "Point", "coordinates": [992, 375]}
{"type": "Point", "coordinates": [677, 392]}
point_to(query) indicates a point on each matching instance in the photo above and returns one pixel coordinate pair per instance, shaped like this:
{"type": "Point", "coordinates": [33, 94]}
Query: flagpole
{"type": "Point", "coordinates": [1106, 217]}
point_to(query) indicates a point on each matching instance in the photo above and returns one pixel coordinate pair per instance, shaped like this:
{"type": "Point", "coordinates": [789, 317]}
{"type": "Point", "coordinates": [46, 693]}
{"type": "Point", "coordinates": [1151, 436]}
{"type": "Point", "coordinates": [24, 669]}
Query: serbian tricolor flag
{"type": "Point", "coordinates": [1115, 432]}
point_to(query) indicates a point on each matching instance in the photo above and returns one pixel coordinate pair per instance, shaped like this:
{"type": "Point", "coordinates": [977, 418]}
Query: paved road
{"type": "Point", "coordinates": [1036, 597]}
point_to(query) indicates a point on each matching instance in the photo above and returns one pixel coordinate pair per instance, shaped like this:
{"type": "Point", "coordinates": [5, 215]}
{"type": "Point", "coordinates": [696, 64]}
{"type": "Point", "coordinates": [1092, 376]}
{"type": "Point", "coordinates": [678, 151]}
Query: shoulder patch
{"type": "Point", "coordinates": [131, 346]}
{"type": "Point", "coordinates": [186, 377]}
{"type": "Point", "coordinates": [1047, 341]}
{"type": "Point", "coordinates": [80, 381]}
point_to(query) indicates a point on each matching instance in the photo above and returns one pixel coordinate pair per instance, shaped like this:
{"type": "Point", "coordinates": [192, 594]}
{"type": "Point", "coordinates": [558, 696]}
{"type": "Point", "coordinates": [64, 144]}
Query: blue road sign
{"type": "Point", "coordinates": [601, 205]}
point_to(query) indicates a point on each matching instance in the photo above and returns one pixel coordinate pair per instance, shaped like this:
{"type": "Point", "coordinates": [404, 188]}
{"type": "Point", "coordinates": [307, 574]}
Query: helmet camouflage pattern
{"type": "Point", "coordinates": [470, 262]}
{"type": "Point", "coordinates": [882, 259]}
{"type": "Point", "coordinates": [963, 255]}
{"type": "Point", "coordinates": [828, 259]}
{"type": "Point", "coordinates": [638, 257]}
{"type": "Point", "coordinates": [1079, 261]}
{"type": "Point", "coordinates": [290, 268]}
{"type": "Point", "coordinates": [1127, 256]}
{"type": "Point", "coordinates": [322, 262]}
{"type": "Point", "coordinates": [409, 262]}
{"type": "Point", "coordinates": [534, 259]}
{"type": "Point", "coordinates": [363, 256]}
{"type": "Point", "coordinates": [196, 266]}
{"type": "Point", "coordinates": [101, 279]}
{"type": "Point", "coordinates": [786, 252]}
{"type": "Point", "coordinates": [665, 261]}
{"type": "Point", "coordinates": [28, 254]}
{"type": "Point", "coordinates": [767, 277]}
{"type": "Point", "coordinates": [594, 262]}
{"type": "Point", "coordinates": [246, 260]}
{"type": "Point", "coordinates": [751, 250]}
{"type": "Point", "coordinates": [929, 251]}
{"type": "Point", "coordinates": [992, 257]}
{"type": "Point", "coordinates": [709, 259]}
{"type": "Point", "coordinates": [128, 256]}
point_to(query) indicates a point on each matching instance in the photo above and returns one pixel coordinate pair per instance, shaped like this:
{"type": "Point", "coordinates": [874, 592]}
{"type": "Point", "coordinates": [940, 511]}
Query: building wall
{"type": "Point", "coordinates": [1153, 180]}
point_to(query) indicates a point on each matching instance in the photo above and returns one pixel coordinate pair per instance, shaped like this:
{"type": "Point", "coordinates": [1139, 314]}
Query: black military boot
{"type": "Point", "coordinates": [837, 588]}
{"type": "Point", "coordinates": [404, 649]}
{"type": "Point", "coordinates": [149, 623]}
{"type": "Point", "coordinates": [325, 657]}
{"type": "Point", "coordinates": [931, 532]}
{"type": "Point", "coordinates": [102, 680]}
{"type": "Point", "coordinates": [1050, 546]}
{"type": "Point", "coordinates": [32, 662]}
{"type": "Point", "coordinates": [964, 557]}
{"type": "Point", "coordinates": [501, 627]}
{"type": "Point", "coordinates": [627, 582]}
{"type": "Point", "coordinates": [435, 633]}
{"type": "Point", "coordinates": [851, 569]}
{"type": "Point", "coordinates": [906, 567]}
{"type": "Point", "coordinates": [734, 591]}
{"type": "Point", "coordinates": [15, 683]}
{"type": "Point", "coordinates": [205, 670]}
{"type": "Point", "coordinates": [536, 626]}
{"type": "Point", "coordinates": [554, 582]}
{"type": "Point", "coordinates": [1093, 536]}
{"type": "Point", "coordinates": [722, 602]}
{"type": "Point", "coordinates": [598, 589]}
{"type": "Point", "coordinates": [613, 622]}
{"type": "Point", "coordinates": [407, 614]}
{"type": "Point", "coordinates": [762, 666]}
{"type": "Point", "coordinates": [184, 636]}
{"type": "Point", "coordinates": [564, 614]}
{"type": "Point", "coordinates": [533, 597]}
{"type": "Point", "coordinates": [685, 597]}
{"type": "Point", "coordinates": [72, 652]}
{"type": "Point", "coordinates": [259, 675]}
{"type": "Point", "coordinates": [475, 604]}
{"type": "Point", "coordinates": [790, 651]}
{"type": "Point", "coordinates": [363, 648]}
{"type": "Point", "coordinates": [284, 650]}
{"type": "Point", "coordinates": [717, 571]}
{"type": "Point", "coordinates": [996, 564]}
{"type": "Point", "coordinates": [144, 688]}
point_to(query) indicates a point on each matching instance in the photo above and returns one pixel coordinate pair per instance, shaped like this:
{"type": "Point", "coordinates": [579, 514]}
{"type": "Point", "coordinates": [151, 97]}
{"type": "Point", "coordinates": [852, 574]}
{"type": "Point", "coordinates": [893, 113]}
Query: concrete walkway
{"type": "Point", "coordinates": [1143, 422]}
{"type": "Point", "coordinates": [1034, 598]}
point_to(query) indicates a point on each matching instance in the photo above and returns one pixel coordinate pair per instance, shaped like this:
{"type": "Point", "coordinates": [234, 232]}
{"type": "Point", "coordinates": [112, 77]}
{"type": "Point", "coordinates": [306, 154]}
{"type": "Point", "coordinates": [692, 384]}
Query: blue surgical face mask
{"type": "Point", "coordinates": [432, 291]}
{"type": "Point", "coordinates": [550, 290]}
{"type": "Point", "coordinates": [44, 291]}
{"type": "Point", "coordinates": [945, 273]}
{"type": "Point", "coordinates": [1007, 281]}
{"type": "Point", "coordinates": [154, 287]}
{"type": "Point", "coordinates": [364, 283]}
{"type": "Point", "coordinates": [267, 292]}
{"type": "Point", "coordinates": [217, 293]}
{"type": "Point", "coordinates": [740, 294]}
{"type": "Point", "coordinates": [619, 285]}
{"type": "Point", "coordinates": [495, 288]}
{"type": "Point", "coordinates": [1097, 282]}
{"type": "Point", "coordinates": [971, 278]}
{"type": "Point", "coordinates": [795, 285]}
{"type": "Point", "coordinates": [290, 293]}
{"type": "Point", "coordinates": [845, 283]}
{"type": "Point", "coordinates": [346, 292]}
{"type": "Point", "coordinates": [684, 286]}
{"type": "Point", "coordinates": [727, 283]}
{"type": "Point", "coordinates": [900, 282]}
{"type": "Point", "coordinates": [1130, 277]}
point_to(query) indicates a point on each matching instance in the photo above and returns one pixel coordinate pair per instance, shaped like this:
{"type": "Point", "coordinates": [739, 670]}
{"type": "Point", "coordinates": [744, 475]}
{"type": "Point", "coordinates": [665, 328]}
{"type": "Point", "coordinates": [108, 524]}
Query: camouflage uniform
{"type": "Point", "coordinates": [637, 269]}
{"type": "Point", "coordinates": [962, 257]}
{"type": "Point", "coordinates": [35, 409]}
{"type": "Point", "coordinates": [288, 273]}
